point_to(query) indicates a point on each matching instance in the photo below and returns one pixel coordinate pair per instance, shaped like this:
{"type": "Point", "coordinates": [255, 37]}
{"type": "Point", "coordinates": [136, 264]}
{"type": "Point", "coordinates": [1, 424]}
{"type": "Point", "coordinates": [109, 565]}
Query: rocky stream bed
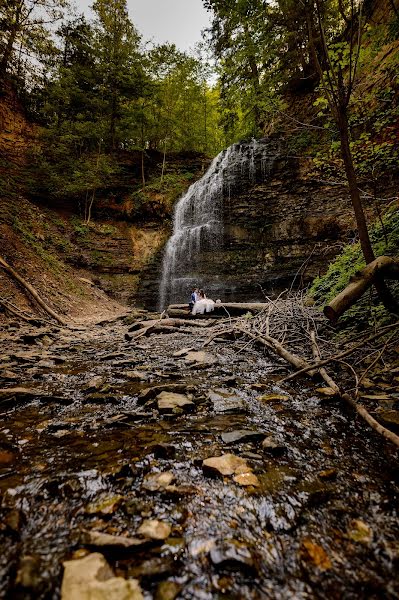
{"type": "Point", "coordinates": [193, 473]}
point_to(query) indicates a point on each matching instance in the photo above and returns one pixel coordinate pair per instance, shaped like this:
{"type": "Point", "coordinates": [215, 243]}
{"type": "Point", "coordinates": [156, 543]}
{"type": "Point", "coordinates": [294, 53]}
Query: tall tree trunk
{"type": "Point", "coordinates": [383, 291]}
{"type": "Point", "coordinates": [342, 122]}
{"type": "Point", "coordinates": [163, 161]}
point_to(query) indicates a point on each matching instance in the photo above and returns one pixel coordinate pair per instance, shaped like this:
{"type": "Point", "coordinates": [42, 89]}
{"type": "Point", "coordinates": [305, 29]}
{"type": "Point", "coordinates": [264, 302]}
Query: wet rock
{"type": "Point", "coordinates": [201, 359]}
{"type": "Point", "coordinates": [100, 398]}
{"type": "Point", "coordinates": [360, 532]}
{"type": "Point", "coordinates": [137, 375]}
{"type": "Point", "coordinates": [179, 491]}
{"type": "Point", "coordinates": [167, 402]}
{"type": "Point", "coordinates": [233, 556]}
{"type": "Point", "coordinates": [164, 450]}
{"type": "Point", "coordinates": [94, 384]}
{"type": "Point", "coordinates": [272, 397]}
{"type": "Point", "coordinates": [154, 482]}
{"type": "Point", "coordinates": [247, 479]}
{"type": "Point", "coordinates": [14, 520]}
{"type": "Point", "coordinates": [242, 435]}
{"type": "Point", "coordinates": [155, 390]}
{"type": "Point", "coordinates": [91, 578]}
{"type": "Point", "coordinates": [46, 364]}
{"type": "Point", "coordinates": [182, 352]}
{"type": "Point", "coordinates": [154, 529]}
{"type": "Point", "coordinates": [155, 568]}
{"type": "Point", "coordinates": [35, 336]}
{"type": "Point", "coordinates": [274, 447]}
{"type": "Point", "coordinates": [7, 457]}
{"type": "Point", "coordinates": [227, 404]}
{"type": "Point", "coordinates": [167, 590]}
{"type": "Point", "coordinates": [8, 375]}
{"type": "Point", "coordinates": [21, 393]}
{"type": "Point", "coordinates": [328, 474]}
{"type": "Point", "coordinates": [29, 573]}
{"type": "Point", "coordinates": [115, 420]}
{"type": "Point", "coordinates": [105, 505]}
{"type": "Point", "coordinates": [97, 539]}
{"type": "Point", "coordinates": [389, 418]}
{"type": "Point", "coordinates": [314, 553]}
{"type": "Point", "coordinates": [228, 381]}
{"type": "Point", "coordinates": [227, 464]}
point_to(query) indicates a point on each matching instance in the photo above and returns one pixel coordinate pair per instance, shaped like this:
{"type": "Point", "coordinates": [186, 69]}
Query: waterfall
{"type": "Point", "coordinates": [198, 220]}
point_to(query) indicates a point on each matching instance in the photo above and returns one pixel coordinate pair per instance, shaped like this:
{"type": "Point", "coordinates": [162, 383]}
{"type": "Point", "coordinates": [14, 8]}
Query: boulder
{"type": "Point", "coordinates": [91, 578]}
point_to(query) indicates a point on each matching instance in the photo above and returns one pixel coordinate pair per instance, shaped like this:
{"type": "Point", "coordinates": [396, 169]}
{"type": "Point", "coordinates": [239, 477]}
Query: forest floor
{"type": "Point", "coordinates": [105, 446]}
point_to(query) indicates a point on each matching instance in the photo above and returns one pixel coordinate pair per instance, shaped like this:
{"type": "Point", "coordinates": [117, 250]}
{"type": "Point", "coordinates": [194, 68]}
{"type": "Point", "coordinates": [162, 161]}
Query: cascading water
{"type": "Point", "coordinates": [198, 219]}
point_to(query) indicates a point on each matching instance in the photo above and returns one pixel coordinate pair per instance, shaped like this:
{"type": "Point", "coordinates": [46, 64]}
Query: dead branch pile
{"type": "Point", "coordinates": [302, 336]}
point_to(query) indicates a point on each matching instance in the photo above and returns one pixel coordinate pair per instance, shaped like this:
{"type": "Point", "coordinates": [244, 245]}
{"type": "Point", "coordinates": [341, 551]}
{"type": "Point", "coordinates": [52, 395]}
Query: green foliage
{"type": "Point", "coordinates": [385, 241]}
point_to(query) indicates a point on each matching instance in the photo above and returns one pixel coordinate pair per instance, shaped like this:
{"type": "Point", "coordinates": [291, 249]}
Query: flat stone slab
{"type": "Point", "coordinates": [168, 401]}
{"type": "Point", "coordinates": [227, 464]}
{"type": "Point", "coordinates": [182, 352]}
{"type": "Point", "coordinates": [97, 539]}
{"type": "Point", "coordinates": [242, 435]}
{"type": "Point", "coordinates": [91, 578]}
{"type": "Point", "coordinates": [227, 404]}
{"type": "Point", "coordinates": [201, 359]}
{"type": "Point", "coordinates": [153, 391]}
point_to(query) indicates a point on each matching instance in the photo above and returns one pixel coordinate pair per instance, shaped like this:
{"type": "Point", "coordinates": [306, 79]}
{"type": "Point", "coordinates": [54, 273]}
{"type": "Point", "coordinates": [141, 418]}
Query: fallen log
{"type": "Point", "coordinates": [221, 309]}
{"type": "Point", "coordinates": [170, 322]}
{"type": "Point", "coordinates": [383, 267]}
{"type": "Point", "coordinates": [29, 288]}
{"type": "Point", "coordinates": [273, 344]}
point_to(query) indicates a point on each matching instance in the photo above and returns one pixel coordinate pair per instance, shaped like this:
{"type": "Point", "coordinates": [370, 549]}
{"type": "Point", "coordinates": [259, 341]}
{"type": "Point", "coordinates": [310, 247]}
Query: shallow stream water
{"type": "Point", "coordinates": [321, 523]}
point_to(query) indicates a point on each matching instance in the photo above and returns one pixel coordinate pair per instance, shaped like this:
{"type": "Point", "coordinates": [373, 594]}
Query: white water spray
{"type": "Point", "coordinates": [198, 220]}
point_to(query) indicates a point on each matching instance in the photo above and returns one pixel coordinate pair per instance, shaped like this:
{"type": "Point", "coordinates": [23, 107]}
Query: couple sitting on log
{"type": "Point", "coordinates": [199, 303]}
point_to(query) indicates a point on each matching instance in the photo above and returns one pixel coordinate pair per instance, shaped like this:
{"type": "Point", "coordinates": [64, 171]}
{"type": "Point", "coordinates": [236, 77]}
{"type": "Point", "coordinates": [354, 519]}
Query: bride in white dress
{"type": "Point", "coordinates": [203, 304]}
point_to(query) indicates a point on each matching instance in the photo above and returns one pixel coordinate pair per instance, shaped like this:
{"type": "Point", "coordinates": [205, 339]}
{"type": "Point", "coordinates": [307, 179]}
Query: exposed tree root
{"type": "Point", "coordinates": [29, 288]}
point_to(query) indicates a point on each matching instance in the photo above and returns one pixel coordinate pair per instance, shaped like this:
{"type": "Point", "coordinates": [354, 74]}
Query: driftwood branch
{"type": "Point", "coordinates": [326, 361]}
{"type": "Point", "coordinates": [273, 344]}
{"type": "Point", "coordinates": [29, 288]}
{"type": "Point", "coordinates": [359, 408]}
{"type": "Point", "coordinates": [383, 267]}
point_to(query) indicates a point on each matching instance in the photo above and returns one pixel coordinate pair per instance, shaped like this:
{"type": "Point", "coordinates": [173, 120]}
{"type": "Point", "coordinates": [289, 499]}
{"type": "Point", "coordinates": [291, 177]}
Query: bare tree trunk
{"type": "Point", "coordinates": [142, 169]}
{"type": "Point", "coordinates": [164, 161]}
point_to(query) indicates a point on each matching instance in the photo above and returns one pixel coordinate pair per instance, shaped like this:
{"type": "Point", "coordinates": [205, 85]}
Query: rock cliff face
{"type": "Point", "coordinates": [280, 231]}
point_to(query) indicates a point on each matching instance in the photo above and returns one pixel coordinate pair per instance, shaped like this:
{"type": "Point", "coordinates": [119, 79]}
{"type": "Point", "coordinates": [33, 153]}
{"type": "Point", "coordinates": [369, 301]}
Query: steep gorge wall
{"type": "Point", "coordinates": [279, 232]}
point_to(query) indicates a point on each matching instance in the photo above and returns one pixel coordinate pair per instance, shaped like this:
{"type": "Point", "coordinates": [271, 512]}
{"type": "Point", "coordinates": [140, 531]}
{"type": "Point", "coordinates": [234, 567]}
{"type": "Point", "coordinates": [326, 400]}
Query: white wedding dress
{"type": "Point", "coordinates": [202, 306]}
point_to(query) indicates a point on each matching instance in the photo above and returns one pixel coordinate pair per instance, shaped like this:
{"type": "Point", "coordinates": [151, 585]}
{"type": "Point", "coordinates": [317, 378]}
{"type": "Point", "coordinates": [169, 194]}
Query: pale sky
{"type": "Point", "coordinates": [177, 21]}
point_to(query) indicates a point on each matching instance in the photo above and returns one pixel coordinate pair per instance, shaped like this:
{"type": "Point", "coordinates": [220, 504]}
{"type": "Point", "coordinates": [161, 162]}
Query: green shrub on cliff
{"type": "Point", "coordinates": [384, 236]}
